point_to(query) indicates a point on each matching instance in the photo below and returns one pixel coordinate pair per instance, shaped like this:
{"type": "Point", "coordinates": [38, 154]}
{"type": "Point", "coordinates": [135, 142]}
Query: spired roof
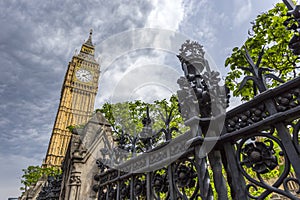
{"type": "Point", "coordinates": [92, 129]}
{"type": "Point", "coordinates": [89, 41]}
{"type": "Point", "coordinates": [87, 49]}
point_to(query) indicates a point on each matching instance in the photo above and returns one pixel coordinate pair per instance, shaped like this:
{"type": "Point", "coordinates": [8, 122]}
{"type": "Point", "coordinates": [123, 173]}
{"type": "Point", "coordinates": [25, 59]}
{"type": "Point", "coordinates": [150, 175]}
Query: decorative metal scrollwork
{"type": "Point", "coordinates": [102, 193]}
{"type": "Point", "coordinates": [288, 100]}
{"type": "Point", "coordinates": [124, 190]}
{"type": "Point", "coordinates": [160, 183]}
{"type": "Point", "coordinates": [246, 118]}
{"type": "Point", "coordinates": [139, 187]}
{"type": "Point", "coordinates": [185, 176]}
{"type": "Point", "coordinates": [101, 165]}
{"type": "Point", "coordinates": [203, 81]}
{"type": "Point", "coordinates": [296, 138]}
{"type": "Point", "coordinates": [51, 189]}
{"type": "Point", "coordinates": [287, 188]}
{"type": "Point", "coordinates": [112, 191]}
{"type": "Point", "coordinates": [188, 104]}
{"type": "Point", "coordinates": [259, 156]}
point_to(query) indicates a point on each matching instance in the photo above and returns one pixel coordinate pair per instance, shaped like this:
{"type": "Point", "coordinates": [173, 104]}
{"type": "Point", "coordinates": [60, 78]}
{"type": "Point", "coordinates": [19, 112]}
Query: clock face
{"type": "Point", "coordinates": [84, 75]}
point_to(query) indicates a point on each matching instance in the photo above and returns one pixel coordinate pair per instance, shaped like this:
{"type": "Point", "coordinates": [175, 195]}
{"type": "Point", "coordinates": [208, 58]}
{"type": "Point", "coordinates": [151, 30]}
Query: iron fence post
{"type": "Point", "coordinates": [237, 183]}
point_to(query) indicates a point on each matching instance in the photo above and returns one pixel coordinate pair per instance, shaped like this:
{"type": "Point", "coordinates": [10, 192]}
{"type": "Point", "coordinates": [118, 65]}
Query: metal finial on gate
{"type": "Point", "coordinates": [257, 76]}
{"type": "Point", "coordinates": [201, 82]}
{"type": "Point", "coordinates": [147, 120]}
{"type": "Point", "coordinates": [191, 56]}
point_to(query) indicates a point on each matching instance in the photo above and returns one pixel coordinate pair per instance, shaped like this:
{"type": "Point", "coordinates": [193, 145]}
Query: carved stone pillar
{"type": "Point", "coordinates": [75, 184]}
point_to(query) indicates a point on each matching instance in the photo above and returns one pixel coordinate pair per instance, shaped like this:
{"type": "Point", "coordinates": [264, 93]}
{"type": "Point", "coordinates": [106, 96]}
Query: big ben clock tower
{"type": "Point", "coordinates": [77, 100]}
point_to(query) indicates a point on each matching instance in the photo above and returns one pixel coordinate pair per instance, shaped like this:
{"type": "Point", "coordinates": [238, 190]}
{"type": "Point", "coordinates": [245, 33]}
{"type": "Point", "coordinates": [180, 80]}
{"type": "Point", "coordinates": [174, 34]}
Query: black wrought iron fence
{"type": "Point", "coordinates": [259, 138]}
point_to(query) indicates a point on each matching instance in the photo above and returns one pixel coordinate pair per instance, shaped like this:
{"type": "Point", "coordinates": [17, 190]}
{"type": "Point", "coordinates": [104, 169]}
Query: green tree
{"type": "Point", "coordinates": [127, 117]}
{"type": "Point", "coordinates": [33, 173]}
{"type": "Point", "coordinates": [268, 34]}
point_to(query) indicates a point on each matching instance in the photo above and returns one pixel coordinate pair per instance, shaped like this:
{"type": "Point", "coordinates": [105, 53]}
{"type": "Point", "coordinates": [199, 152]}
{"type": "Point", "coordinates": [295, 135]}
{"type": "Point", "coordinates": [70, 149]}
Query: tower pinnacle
{"type": "Point", "coordinates": [89, 41]}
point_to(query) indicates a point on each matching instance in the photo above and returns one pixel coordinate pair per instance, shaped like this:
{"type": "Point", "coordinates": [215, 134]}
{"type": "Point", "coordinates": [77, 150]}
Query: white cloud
{"type": "Point", "coordinates": [131, 71]}
{"type": "Point", "coordinates": [167, 14]}
{"type": "Point", "coordinates": [200, 20]}
{"type": "Point", "coordinates": [132, 50]}
{"type": "Point", "coordinates": [243, 10]}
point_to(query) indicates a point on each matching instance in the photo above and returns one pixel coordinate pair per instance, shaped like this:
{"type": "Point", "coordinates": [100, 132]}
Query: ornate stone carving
{"type": "Point", "coordinates": [75, 180]}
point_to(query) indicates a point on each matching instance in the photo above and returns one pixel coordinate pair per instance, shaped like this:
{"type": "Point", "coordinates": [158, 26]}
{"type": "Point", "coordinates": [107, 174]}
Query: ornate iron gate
{"type": "Point", "coordinates": [258, 137]}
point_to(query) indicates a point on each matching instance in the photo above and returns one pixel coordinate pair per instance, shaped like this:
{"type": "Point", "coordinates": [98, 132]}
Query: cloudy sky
{"type": "Point", "coordinates": [38, 39]}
